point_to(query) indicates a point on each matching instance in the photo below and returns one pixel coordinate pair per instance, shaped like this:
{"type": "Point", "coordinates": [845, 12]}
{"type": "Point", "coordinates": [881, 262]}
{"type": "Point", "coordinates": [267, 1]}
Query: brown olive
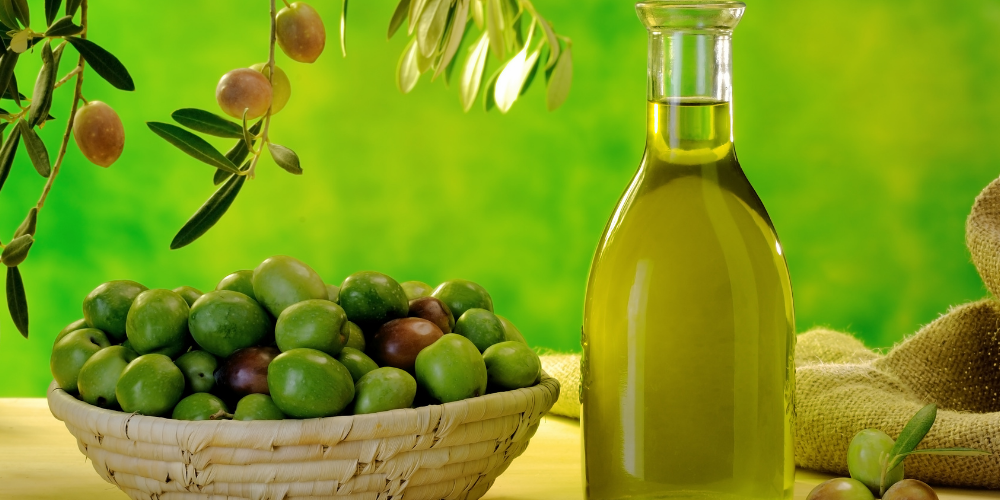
{"type": "Point", "coordinates": [243, 89]}
{"type": "Point", "coordinates": [300, 32]}
{"type": "Point", "coordinates": [910, 489]}
{"type": "Point", "coordinates": [245, 372]}
{"type": "Point", "coordinates": [842, 488]}
{"type": "Point", "coordinates": [99, 133]}
{"type": "Point", "coordinates": [398, 342]}
{"type": "Point", "coordinates": [433, 310]}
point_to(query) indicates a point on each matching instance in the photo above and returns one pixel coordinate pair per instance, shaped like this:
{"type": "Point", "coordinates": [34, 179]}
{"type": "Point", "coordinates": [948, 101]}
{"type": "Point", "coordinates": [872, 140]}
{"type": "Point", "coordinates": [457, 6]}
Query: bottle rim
{"type": "Point", "coordinates": [712, 15]}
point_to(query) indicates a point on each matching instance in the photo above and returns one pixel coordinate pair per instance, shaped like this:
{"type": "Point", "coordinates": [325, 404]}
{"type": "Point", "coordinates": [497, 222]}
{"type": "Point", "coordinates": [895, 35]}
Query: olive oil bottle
{"type": "Point", "coordinates": [688, 331]}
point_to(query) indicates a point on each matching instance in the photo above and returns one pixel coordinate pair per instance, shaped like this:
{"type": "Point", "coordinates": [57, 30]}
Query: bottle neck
{"type": "Point", "coordinates": [689, 89]}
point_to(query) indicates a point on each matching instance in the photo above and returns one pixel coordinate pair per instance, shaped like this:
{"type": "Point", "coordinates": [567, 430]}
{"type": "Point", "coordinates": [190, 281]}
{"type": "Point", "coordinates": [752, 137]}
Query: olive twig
{"type": "Point", "coordinates": [69, 76]}
{"type": "Point", "coordinates": [77, 96]}
{"type": "Point", "coordinates": [270, 80]}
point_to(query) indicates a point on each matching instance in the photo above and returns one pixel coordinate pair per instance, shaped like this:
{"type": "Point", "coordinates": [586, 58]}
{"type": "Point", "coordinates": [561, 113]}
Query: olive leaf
{"type": "Point", "coordinates": [41, 97]}
{"type": "Point", "coordinates": [36, 149]}
{"type": "Point", "coordinates": [343, 28]}
{"type": "Point", "coordinates": [64, 27]}
{"type": "Point", "coordinates": [495, 27]}
{"type": "Point", "coordinates": [489, 94]}
{"type": "Point", "coordinates": [416, 8]}
{"type": "Point", "coordinates": [51, 10]}
{"type": "Point", "coordinates": [7, 15]}
{"type": "Point", "coordinates": [193, 145]}
{"type": "Point", "coordinates": [957, 452]}
{"type": "Point", "coordinates": [17, 250]}
{"type": "Point", "coordinates": [7, 63]}
{"type": "Point", "coordinates": [104, 63]}
{"type": "Point", "coordinates": [237, 154]}
{"type": "Point", "coordinates": [72, 6]}
{"type": "Point", "coordinates": [478, 13]}
{"type": "Point", "coordinates": [285, 158]}
{"type": "Point", "coordinates": [247, 136]}
{"type": "Point", "coordinates": [511, 79]}
{"type": "Point", "coordinates": [207, 123]}
{"type": "Point", "coordinates": [7, 153]}
{"type": "Point", "coordinates": [533, 71]}
{"type": "Point", "coordinates": [430, 26]}
{"type": "Point", "coordinates": [559, 80]}
{"type": "Point", "coordinates": [408, 71]}
{"type": "Point", "coordinates": [398, 15]}
{"type": "Point", "coordinates": [455, 35]}
{"type": "Point", "coordinates": [208, 214]}
{"type": "Point", "coordinates": [550, 35]}
{"type": "Point", "coordinates": [17, 303]}
{"type": "Point", "coordinates": [21, 12]}
{"type": "Point", "coordinates": [472, 72]}
{"type": "Point", "coordinates": [29, 223]}
{"type": "Point", "coordinates": [14, 94]}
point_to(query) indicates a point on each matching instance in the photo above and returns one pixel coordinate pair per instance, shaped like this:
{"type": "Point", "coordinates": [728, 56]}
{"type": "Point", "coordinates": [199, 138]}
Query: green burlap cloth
{"type": "Point", "coordinates": [842, 387]}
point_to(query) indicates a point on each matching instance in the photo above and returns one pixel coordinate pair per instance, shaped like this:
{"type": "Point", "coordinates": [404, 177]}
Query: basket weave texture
{"type": "Point", "coordinates": [448, 451]}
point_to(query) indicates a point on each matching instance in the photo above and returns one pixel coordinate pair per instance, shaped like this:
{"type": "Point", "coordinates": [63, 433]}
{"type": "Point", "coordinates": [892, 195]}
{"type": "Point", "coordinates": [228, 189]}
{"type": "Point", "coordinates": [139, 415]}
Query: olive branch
{"type": "Point", "coordinates": [438, 30]}
{"type": "Point", "coordinates": [17, 38]}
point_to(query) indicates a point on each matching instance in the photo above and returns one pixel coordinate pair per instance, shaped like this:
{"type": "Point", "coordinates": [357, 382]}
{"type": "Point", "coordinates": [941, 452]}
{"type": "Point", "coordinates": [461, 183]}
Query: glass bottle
{"type": "Point", "coordinates": [688, 331]}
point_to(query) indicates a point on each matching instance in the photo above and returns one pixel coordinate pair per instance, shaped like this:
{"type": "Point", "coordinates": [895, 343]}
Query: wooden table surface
{"type": "Point", "coordinates": [39, 460]}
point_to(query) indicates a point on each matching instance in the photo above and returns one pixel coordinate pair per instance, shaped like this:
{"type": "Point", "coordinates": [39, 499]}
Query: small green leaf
{"type": "Point", "coordinates": [247, 136]}
{"type": "Point", "coordinates": [209, 213]}
{"type": "Point", "coordinates": [472, 71]}
{"type": "Point", "coordinates": [398, 15]}
{"type": "Point", "coordinates": [478, 13]}
{"type": "Point", "coordinates": [285, 158]}
{"type": "Point", "coordinates": [72, 6]}
{"type": "Point", "coordinates": [495, 27]}
{"type": "Point", "coordinates": [914, 431]}
{"type": "Point", "coordinates": [29, 223]}
{"type": "Point", "coordinates": [511, 80]}
{"type": "Point", "coordinates": [455, 34]}
{"type": "Point", "coordinates": [193, 145]}
{"type": "Point", "coordinates": [104, 63]}
{"type": "Point", "coordinates": [532, 72]}
{"type": "Point", "coordinates": [17, 303]}
{"type": "Point", "coordinates": [21, 12]}
{"type": "Point", "coordinates": [17, 250]}
{"type": "Point", "coordinates": [63, 27]}
{"type": "Point", "coordinates": [408, 70]}
{"type": "Point", "coordinates": [7, 15]}
{"type": "Point", "coordinates": [560, 80]}
{"type": "Point", "coordinates": [41, 97]}
{"type": "Point", "coordinates": [343, 28]}
{"type": "Point", "coordinates": [489, 95]}
{"type": "Point", "coordinates": [550, 35]}
{"type": "Point", "coordinates": [430, 26]}
{"type": "Point", "coordinates": [957, 452]}
{"type": "Point", "coordinates": [207, 123]}
{"type": "Point", "coordinates": [7, 153]}
{"type": "Point", "coordinates": [416, 8]}
{"type": "Point", "coordinates": [237, 154]}
{"type": "Point", "coordinates": [12, 87]}
{"type": "Point", "coordinates": [7, 63]}
{"type": "Point", "coordinates": [51, 10]}
{"type": "Point", "coordinates": [36, 149]}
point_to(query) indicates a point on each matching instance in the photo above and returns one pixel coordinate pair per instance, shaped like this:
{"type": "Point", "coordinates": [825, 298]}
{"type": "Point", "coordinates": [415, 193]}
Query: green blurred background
{"type": "Point", "coordinates": [867, 127]}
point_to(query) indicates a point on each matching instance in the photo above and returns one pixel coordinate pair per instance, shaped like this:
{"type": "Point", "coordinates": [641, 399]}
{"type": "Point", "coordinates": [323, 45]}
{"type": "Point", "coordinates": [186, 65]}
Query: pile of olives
{"type": "Point", "coordinates": [864, 462]}
{"type": "Point", "coordinates": [277, 342]}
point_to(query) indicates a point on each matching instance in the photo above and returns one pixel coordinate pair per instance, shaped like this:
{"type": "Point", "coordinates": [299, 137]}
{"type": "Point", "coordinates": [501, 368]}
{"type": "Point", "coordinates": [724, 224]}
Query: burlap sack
{"type": "Point", "coordinates": [842, 387]}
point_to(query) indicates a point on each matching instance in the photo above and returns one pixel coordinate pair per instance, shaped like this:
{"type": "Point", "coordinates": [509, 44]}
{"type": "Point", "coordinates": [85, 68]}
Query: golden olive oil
{"type": "Point", "coordinates": [688, 331]}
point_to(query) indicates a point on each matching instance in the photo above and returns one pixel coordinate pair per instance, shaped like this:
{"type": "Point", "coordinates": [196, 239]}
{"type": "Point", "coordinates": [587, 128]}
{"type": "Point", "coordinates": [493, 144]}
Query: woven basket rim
{"type": "Point", "coordinates": [76, 409]}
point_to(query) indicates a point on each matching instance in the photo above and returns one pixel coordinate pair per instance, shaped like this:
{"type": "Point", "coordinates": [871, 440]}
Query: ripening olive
{"type": "Point", "coordinates": [910, 489]}
{"type": "Point", "coordinates": [300, 32]}
{"type": "Point", "coordinates": [433, 310]}
{"type": "Point", "coordinates": [841, 488]}
{"type": "Point", "coordinates": [99, 133]}
{"type": "Point", "coordinates": [864, 459]}
{"type": "Point", "coordinates": [281, 88]}
{"type": "Point", "coordinates": [243, 88]}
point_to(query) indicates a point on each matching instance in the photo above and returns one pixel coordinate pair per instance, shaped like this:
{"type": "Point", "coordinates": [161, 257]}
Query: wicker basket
{"type": "Point", "coordinates": [448, 451]}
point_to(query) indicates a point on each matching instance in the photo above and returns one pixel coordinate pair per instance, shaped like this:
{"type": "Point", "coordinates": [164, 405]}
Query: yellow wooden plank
{"type": "Point", "coordinates": [39, 460]}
